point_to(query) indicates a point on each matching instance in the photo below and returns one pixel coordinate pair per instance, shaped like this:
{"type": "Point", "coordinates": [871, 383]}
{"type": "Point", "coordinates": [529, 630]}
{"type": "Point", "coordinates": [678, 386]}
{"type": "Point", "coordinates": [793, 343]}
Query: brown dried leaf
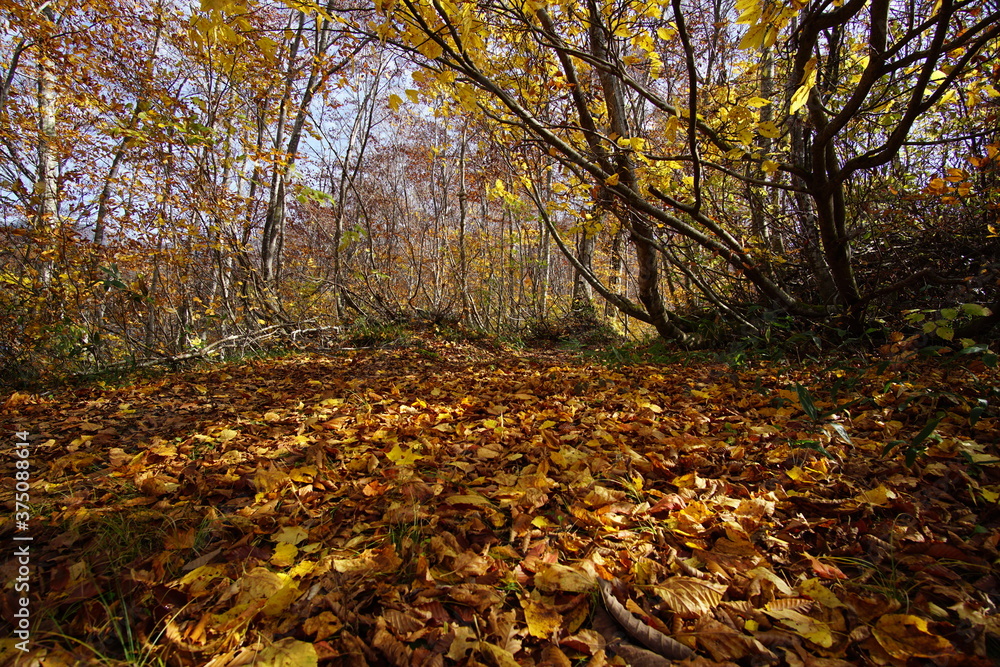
{"type": "Point", "coordinates": [649, 637]}
{"type": "Point", "coordinates": [395, 651]}
{"type": "Point", "coordinates": [689, 597]}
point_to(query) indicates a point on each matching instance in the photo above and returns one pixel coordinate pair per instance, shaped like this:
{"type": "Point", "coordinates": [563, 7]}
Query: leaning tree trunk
{"type": "Point", "coordinates": [640, 231]}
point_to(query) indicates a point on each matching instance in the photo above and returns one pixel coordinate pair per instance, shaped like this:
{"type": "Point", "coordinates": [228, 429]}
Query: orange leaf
{"type": "Point", "coordinates": [824, 570]}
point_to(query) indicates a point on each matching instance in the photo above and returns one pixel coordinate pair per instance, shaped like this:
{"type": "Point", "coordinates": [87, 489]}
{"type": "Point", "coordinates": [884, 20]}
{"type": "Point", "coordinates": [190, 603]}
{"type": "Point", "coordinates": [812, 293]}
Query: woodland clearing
{"type": "Point", "coordinates": [448, 502]}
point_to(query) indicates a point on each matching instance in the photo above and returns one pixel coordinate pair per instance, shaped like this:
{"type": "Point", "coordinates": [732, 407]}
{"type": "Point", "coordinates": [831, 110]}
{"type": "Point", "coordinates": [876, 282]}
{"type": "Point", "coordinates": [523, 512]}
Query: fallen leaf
{"type": "Point", "coordinates": [287, 652]}
{"type": "Point", "coordinates": [542, 619]}
{"type": "Point", "coordinates": [689, 597]}
{"type": "Point", "coordinates": [809, 628]}
{"type": "Point", "coordinates": [825, 570]}
{"type": "Point", "coordinates": [904, 636]}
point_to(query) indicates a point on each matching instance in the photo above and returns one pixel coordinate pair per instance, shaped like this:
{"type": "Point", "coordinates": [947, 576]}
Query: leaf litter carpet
{"type": "Point", "coordinates": [455, 504]}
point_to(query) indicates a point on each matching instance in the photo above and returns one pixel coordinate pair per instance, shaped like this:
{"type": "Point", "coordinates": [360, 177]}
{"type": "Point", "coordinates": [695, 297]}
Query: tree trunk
{"type": "Point", "coordinates": [640, 231]}
{"type": "Point", "coordinates": [47, 185]}
{"type": "Point", "coordinates": [583, 295]}
{"type": "Point", "coordinates": [463, 265]}
{"type": "Point", "coordinates": [615, 276]}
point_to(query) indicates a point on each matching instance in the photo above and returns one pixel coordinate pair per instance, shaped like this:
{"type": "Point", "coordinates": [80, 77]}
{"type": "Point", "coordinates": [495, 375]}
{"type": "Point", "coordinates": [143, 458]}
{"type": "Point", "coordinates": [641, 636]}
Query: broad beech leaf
{"type": "Point", "coordinates": [880, 496]}
{"type": "Point", "coordinates": [904, 636]}
{"type": "Point", "coordinates": [814, 589]}
{"type": "Point", "coordinates": [284, 555]}
{"type": "Point", "coordinates": [809, 628]}
{"type": "Point", "coordinates": [542, 619]}
{"type": "Point", "coordinates": [557, 577]}
{"type": "Point", "coordinates": [690, 597]}
{"type": "Point", "coordinates": [287, 652]}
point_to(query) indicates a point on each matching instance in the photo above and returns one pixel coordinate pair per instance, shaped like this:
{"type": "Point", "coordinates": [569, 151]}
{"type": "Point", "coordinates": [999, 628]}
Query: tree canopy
{"type": "Point", "coordinates": [178, 177]}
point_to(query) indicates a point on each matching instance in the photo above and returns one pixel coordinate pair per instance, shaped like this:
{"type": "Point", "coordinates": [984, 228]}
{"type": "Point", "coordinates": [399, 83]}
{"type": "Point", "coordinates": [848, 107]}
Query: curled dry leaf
{"type": "Point", "coordinates": [649, 637]}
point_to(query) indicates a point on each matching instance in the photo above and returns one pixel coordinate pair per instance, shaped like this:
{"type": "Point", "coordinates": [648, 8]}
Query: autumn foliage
{"type": "Point", "coordinates": [201, 181]}
{"type": "Point", "coordinates": [288, 292]}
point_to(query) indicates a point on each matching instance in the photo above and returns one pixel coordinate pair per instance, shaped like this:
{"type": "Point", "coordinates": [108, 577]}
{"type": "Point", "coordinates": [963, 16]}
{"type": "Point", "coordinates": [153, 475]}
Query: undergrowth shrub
{"type": "Point", "coordinates": [376, 333]}
{"type": "Point", "coordinates": [580, 325]}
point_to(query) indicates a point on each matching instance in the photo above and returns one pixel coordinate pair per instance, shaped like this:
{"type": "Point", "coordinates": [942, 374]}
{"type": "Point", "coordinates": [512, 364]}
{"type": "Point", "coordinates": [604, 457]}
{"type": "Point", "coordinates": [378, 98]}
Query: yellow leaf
{"type": "Point", "coordinates": [759, 573]}
{"type": "Point", "coordinates": [468, 499]}
{"type": "Point", "coordinates": [412, 94]}
{"type": "Point", "coordinates": [287, 651]}
{"type": "Point", "coordinates": [904, 637]}
{"type": "Point", "coordinates": [611, 180]}
{"type": "Point", "coordinates": [815, 589]}
{"type": "Point", "coordinates": [558, 577]}
{"type": "Point", "coordinates": [542, 619]}
{"type": "Point", "coordinates": [769, 130]}
{"type": "Point", "coordinates": [799, 99]}
{"type": "Point", "coordinates": [200, 580]}
{"type": "Point", "coordinates": [278, 603]}
{"type": "Point", "coordinates": [670, 129]}
{"type": "Point", "coordinates": [284, 555]}
{"type": "Point", "coordinates": [431, 49]}
{"type": "Point", "coordinates": [498, 656]}
{"type": "Point", "coordinates": [303, 474]}
{"type": "Point", "coordinates": [394, 102]}
{"type": "Point", "coordinates": [814, 630]}
{"type": "Point", "coordinates": [769, 166]}
{"type": "Point", "coordinates": [402, 457]}
{"type": "Point", "coordinates": [878, 496]}
{"type": "Point", "coordinates": [267, 46]}
{"type": "Point", "coordinates": [808, 81]}
{"type": "Point", "coordinates": [956, 175]}
{"type": "Point", "coordinates": [754, 37]}
{"type": "Point", "coordinates": [290, 535]}
{"type": "Point", "coordinates": [465, 640]}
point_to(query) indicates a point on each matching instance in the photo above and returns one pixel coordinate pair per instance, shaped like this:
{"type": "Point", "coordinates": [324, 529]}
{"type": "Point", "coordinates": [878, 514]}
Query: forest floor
{"type": "Point", "coordinates": [455, 503]}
